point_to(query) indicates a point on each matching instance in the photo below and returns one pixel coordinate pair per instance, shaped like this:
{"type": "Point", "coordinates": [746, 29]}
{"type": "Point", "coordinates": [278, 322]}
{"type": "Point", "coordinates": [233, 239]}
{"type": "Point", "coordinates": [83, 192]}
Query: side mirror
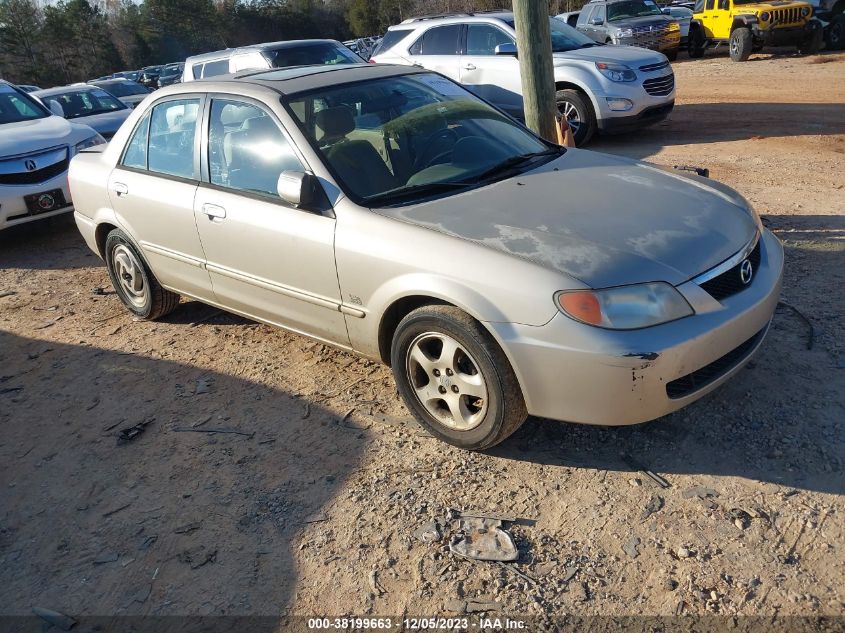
{"type": "Point", "coordinates": [596, 21]}
{"type": "Point", "coordinates": [297, 188]}
{"type": "Point", "coordinates": [507, 49]}
{"type": "Point", "coordinates": [56, 108]}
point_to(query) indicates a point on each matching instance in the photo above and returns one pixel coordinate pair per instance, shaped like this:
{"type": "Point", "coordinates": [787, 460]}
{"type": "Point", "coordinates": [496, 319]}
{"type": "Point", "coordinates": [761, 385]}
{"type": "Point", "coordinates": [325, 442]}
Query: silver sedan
{"type": "Point", "coordinates": [387, 211]}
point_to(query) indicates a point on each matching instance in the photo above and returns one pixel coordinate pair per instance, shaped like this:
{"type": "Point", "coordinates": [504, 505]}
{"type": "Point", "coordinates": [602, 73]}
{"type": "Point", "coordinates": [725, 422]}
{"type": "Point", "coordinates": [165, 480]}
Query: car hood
{"type": "Point", "coordinates": [106, 123]}
{"type": "Point", "coordinates": [133, 100]}
{"type": "Point", "coordinates": [604, 220]}
{"type": "Point", "coordinates": [633, 55]}
{"type": "Point", "coordinates": [26, 137]}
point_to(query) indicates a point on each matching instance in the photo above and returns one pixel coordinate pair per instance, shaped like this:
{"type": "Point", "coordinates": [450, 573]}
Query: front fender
{"type": "Point", "coordinates": [586, 82]}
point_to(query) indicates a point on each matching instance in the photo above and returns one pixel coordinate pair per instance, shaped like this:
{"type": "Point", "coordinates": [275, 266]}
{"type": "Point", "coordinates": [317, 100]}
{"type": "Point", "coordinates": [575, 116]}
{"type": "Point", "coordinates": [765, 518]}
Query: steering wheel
{"type": "Point", "coordinates": [440, 135]}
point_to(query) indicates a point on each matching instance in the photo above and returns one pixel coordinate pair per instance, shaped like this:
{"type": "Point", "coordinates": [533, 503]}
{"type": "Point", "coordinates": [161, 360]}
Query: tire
{"type": "Point", "coordinates": [672, 55]}
{"type": "Point", "coordinates": [476, 380]}
{"type": "Point", "coordinates": [813, 44]}
{"type": "Point", "coordinates": [578, 110]}
{"type": "Point", "coordinates": [133, 281]}
{"type": "Point", "coordinates": [695, 46]}
{"type": "Point", "coordinates": [834, 37]}
{"type": "Point", "coordinates": [741, 44]}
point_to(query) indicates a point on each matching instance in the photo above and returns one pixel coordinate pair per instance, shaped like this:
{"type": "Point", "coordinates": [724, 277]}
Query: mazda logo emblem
{"type": "Point", "coordinates": [30, 165]}
{"type": "Point", "coordinates": [746, 271]}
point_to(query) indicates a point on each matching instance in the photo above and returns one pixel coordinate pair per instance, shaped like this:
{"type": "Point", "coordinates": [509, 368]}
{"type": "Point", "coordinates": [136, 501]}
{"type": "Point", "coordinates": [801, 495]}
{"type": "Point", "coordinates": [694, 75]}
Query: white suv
{"type": "Point", "coordinates": [600, 87]}
{"type": "Point", "coordinates": [35, 149]}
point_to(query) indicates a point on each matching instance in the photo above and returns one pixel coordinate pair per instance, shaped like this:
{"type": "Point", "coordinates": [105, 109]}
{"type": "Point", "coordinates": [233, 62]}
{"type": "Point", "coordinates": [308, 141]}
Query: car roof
{"type": "Point", "coordinates": [49, 92]}
{"type": "Point", "coordinates": [450, 18]}
{"type": "Point", "coordinates": [291, 81]}
{"type": "Point", "coordinates": [226, 52]}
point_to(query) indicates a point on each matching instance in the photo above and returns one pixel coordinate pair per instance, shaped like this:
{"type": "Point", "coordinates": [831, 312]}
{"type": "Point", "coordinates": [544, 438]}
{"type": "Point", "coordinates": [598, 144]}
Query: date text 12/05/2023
{"type": "Point", "coordinates": [421, 623]}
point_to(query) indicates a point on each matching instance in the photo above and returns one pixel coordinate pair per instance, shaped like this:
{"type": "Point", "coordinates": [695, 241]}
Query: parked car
{"type": "Point", "coordinates": [571, 17]}
{"type": "Point", "coordinates": [171, 74]}
{"type": "Point", "coordinates": [270, 55]}
{"type": "Point", "coordinates": [747, 26]}
{"type": "Point", "coordinates": [131, 75]}
{"type": "Point", "coordinates": [90, 105]}
{"type": "Point", "coordinates": [28, 88]}
{"type": "Point", "coordinates": [388, 211]}
{"type": "Point", "coordinates": [631, 22]}
{"type": "Point", "coordinates": [684, 16]}
{"type": "Point", "coordinates": [35, 149]}
{"type": "Point", "coordinates": [129, 92]}
{"type": "Point", "coordinates": [600, 88]}
{"type": "Point", "coordinates": [149, 77]}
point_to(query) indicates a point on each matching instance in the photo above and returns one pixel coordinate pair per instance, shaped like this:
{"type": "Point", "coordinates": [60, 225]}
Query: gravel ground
{"type": "Point", "coordinates": [312, 506]}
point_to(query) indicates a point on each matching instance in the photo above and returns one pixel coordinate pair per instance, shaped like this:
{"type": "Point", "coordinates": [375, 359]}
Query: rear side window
{"type": "Point", "coordinates": [391, 39]}
{"type": "Point", "coordinates": [441, 40]}
{"type": "Point", "coordinates": [196, 71]}
{"type": "Point", "coordinates": [164, 140]}
{"type": "Point", "coordinates": [213, 69]}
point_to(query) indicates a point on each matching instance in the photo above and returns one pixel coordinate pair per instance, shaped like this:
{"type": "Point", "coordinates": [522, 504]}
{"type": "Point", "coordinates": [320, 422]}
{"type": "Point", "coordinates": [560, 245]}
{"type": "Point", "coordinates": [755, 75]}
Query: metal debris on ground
{"type": "Point", "coordinates": [187, 529]}
{"type": "Point", "coordinates": [7, 293]}
{"type": "Point", "coordinates": [230, 431]}
{"type": "Point", "coordinates": [375, 585]}
{"type": "Point", "coordinates": [483, 539]}
{"type": "Point", "coordinates": [203, 385]}
{"type": "Point", "coordinates": [54, 618]}
{"type": "Point", "coordinates": [472, 605]}
{"type": "Point", "coordinates": [699, 491]}
{"type": "Point", "coordinates": [633, 463]}
{"type": "Point", "coordinates": [129, 434]}
{"type": "Point", "coordinates": [811, 331]}
{"type": "Point", "coordinates": [655, 504]}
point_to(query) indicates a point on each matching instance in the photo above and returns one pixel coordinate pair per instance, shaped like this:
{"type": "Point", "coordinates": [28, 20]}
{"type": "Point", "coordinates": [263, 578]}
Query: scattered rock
{"type": "Point", "coordinates": [700, 492]}
{"type": "Point", "coordinates": [635, 482]}
{"type": "Point", "coordinates": [655, 504]}
{"type": "Point", "coordinates": [196, 557]}
{"type": "Point", "coordinates": [108, 557]}
{"type": "Point", "coordinates": [203, 386]}
{"type": "Point", "coordinates": [684, 552]}
{"type": "Point", "coordinates": [428, 532]}
{"type": "Point", "coordinates": [54, 618]}
{"type": "Point", "coordinates": [630, 548]}
{"type": "Point", "coordinates": [187, 529]}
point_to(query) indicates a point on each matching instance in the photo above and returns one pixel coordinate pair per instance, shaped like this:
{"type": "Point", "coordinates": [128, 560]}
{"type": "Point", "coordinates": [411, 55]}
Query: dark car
{"type": "Point", "coordinates": [632, 22]}
{"type": "Point", "coordinates": [129, 92]}
{"type": "Point", "coordinates": [149, 76]}
{"type": "Point", "coordinates": [171, 74]}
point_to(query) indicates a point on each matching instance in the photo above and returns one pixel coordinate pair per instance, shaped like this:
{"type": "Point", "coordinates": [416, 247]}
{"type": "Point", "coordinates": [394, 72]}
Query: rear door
{"type": "Point", "coordinates": [438, 49]}
{"type": "Point", "coordinates": [492, 77]}
{"type": "Point", "coordinates": [266, 258]}
{"type": "Point", "coordinates": [152, 190]}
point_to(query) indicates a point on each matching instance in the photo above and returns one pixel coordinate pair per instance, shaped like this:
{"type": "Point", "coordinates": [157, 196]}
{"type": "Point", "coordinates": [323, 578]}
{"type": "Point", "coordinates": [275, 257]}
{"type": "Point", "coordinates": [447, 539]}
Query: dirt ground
{"type": "Point", "coordinates": [311, 508]}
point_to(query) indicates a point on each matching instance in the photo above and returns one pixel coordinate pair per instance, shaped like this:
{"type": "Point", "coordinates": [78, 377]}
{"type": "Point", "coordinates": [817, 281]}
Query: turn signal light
{"type": "Point", "coordinates": [582, 305]}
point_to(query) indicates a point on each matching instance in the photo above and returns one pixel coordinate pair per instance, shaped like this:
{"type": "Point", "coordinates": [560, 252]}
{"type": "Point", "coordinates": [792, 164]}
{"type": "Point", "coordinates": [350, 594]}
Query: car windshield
{"type": "Point", "coordinates": [400, 139]}
{"type": "Point", "coordinates": [82, 103]}
{"type": "Point", "coordinates": [564, 37]}
{"type": "Point", "coordinates": [16, 106]}
{"type": "Point", "coordinates": [631, 9]}
{"type": "Point", "coordinates": [124, 88]}
{"type": "Point", "coordinates": [171, 70]}
{"type": "Point", "coordinates": [320, 54]}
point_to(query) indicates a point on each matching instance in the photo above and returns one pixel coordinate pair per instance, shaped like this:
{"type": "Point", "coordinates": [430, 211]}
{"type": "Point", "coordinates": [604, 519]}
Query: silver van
{"type": "Point", "coordinates": [266, 56]}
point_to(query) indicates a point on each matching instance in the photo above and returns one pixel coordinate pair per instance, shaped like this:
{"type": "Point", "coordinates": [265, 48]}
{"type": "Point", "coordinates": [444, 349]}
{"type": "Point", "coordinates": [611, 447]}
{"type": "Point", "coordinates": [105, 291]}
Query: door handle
{"type": "Point", "coordinates": [469, 67]}
{"type": "Point", "coordinates": [120, 189]}
{"type": "Point", "coordinates": [213, 211]}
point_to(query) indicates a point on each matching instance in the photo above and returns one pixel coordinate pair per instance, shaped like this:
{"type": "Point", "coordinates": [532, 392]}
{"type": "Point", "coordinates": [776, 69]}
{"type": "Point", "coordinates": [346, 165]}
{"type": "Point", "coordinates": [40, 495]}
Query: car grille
{"type": "Point", "coordinates": [657, 38]}
{"type": "Point", "coordinates": [708, 374]}
{"type": "Point", "coordinates": [730, 282]}
{"type": "Point", "coordinates": [787, 16]}
{"type": "Point", "coordinates": [650, 68]}
{"type": "Point", "coordinates": [660, 86]}
{"type": "Point", "coordinates": [12, 174]}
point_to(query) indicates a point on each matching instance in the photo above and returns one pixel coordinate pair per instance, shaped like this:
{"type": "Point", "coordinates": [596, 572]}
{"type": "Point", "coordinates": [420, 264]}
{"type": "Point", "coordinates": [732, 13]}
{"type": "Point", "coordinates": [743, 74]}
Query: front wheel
{"type": "Point", "coordinates": [578, 111]}
{"type": "Point", "coordinates": [741, 44]}
{"type": "Point", "coordinates": [695, 46]}
{"type": "Point", "coordinates": [455, 379]}
{"type": "Point", "coordinates": [813, 44]}
{"type": "Point", "coordinates": [835, 35]}
{"type": "Point", "coordinates": [672, 55]}
{"type": "Point", "coordinates": [134, 282]}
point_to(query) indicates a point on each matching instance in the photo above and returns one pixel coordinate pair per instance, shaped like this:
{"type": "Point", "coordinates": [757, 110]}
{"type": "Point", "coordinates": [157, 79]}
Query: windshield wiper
{"type": "Point", "coordinates": [395, 195]}
{"type": "Point", "coordinates": [513, 161]}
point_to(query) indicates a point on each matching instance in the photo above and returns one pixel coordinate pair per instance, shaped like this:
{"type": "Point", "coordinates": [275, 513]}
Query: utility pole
{"type": "Point", "coordinates": [534, 46]}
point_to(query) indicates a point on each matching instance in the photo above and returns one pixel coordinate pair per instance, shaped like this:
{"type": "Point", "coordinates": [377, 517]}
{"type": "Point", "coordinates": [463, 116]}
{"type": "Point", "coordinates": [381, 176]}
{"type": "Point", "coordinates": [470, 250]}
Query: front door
{"type": "Point", "coordinates": [492, 77]}
{"type": "Point", "coordinates": [266, 259]}
{"type": "Point", "coordinates": [152, 191]}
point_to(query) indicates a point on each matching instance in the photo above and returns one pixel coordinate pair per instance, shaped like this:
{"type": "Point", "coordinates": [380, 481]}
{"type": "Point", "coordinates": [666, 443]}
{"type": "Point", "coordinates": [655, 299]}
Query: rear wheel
{"type": "Point", "coordinates": [455, 379]}
{"type": "Point", "coordinates": [578, 111]}
{"type": "Point", "coordinates": [672, 55]}
{"type": "Point", "coordinates": [813, 44]}
{"type": "Point", "coordinates": [134, 282]}
{"type": "Point", "coordinates": [835, 35]}
{"type": "Point", "coordinates": [695, 46]}
{"type": "Point", "coordinates": [741, 44]}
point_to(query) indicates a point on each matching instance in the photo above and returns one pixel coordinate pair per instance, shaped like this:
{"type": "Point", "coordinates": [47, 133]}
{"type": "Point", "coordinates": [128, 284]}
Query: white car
{"type": "Point", "coordinates": [35, 150]}
{"type": "Point", "coordinates": [600, 88]}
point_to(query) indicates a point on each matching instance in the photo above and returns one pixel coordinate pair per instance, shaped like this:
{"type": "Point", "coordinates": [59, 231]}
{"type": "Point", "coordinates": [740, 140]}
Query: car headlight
{"type": "Point", "coordinates": [625, 307]}
{"type": "Point", "coordinates": [625, 33]}
{"type": "Point", "coordinates": [616, 72]}
{"type": "Point", "coordinates": [764, 17]}
{"type": "Point", "coordinates": [89, 142]}
{"type": "Point", "coordinates": [805, 11]}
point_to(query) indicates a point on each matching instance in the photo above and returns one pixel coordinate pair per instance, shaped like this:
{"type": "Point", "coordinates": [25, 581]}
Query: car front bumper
{"type": "Point", "coordinates": [628, 123]}
{"type": "Point", "coordinates": [576, 373]}
{"type": "Point", "coordinates": [786, 36]}
{"type": "Point", "coordinates": [13, 209]}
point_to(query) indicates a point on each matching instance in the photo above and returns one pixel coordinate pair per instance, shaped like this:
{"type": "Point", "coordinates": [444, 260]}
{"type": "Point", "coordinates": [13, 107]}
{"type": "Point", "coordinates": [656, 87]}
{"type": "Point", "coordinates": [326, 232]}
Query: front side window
{"type": "Point", "coordinates": [631, 9]}
{"type": "Point", "coordinates": [247, 150]}
{"type": "Point", "coordinates": [564, 37]}
{"type": "Point", "coordinates": [173, 126]}
{"type": "Point", "coordinates": [441, 40]}
{"type": "Point", "coordinates": [398, 139]}
{"type": "Point", "coordinates": [16, 107]}
{"type": "Point", "coordinates": [482, 39]}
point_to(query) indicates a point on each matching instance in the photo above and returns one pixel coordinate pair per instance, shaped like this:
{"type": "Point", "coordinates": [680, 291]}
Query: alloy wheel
{"type": "Point", "coordinates": [127, 269]}
{"type": "Point", "coordinates": [571, 114]}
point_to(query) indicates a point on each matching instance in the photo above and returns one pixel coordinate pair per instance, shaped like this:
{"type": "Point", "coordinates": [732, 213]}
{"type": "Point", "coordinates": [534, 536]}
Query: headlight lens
{"type": "Point", "coordinates": [625, 33]}
{"type": "Point", "coordinates": [805, 11]}
{"type": "Point", "coordinates": [89, 142]}
{"type": "Point", "coordinates": [625, 307]}
{"type": "Point", "coordinates": [764, 17]}
{"type": "Point", "coordinates": [616, 72]}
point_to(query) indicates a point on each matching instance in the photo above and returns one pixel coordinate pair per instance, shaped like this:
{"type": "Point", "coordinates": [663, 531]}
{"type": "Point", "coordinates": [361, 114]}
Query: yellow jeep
{"type": "Point", "coordinates": [749, 25]}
